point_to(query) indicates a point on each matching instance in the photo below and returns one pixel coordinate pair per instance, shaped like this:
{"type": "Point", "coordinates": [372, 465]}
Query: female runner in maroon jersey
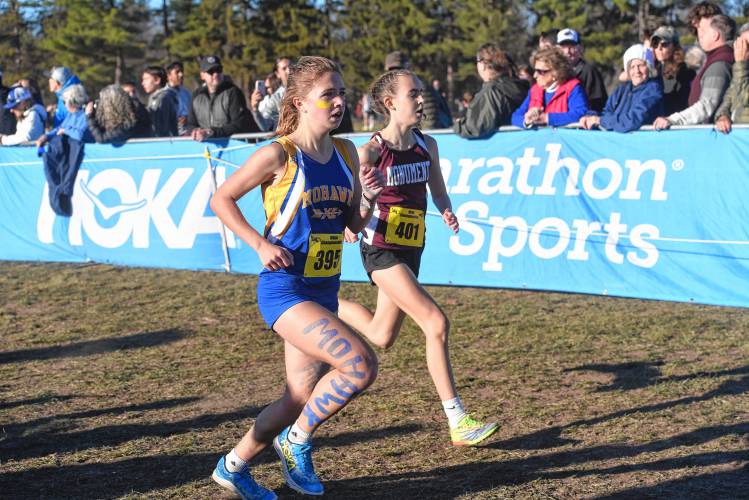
{"type": "Point", "coordinates": [394, 240]}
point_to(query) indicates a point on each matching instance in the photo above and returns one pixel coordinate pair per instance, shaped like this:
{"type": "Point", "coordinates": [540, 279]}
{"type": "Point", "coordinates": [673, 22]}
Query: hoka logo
{"type": "Point", "coordinates": [110, 208]}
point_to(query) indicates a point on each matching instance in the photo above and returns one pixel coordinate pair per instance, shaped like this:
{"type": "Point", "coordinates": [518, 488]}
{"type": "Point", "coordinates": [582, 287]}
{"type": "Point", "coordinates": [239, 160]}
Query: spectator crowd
{"type": "Point", "coordinates": [662, 85]}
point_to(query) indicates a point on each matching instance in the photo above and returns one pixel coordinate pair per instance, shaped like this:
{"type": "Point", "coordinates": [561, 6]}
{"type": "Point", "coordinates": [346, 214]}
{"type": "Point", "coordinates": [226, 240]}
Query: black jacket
{"type": "Point", "coordinates": [7, 120]}
{"type": "Point", "coordinates": [676, 89]}
{"type": "Point", "coordinates": [436, 111]}
{"type": "Point", "coordinates": [162, 109]}
{"type": "Point", "coordinates": [593, 84]}
{"type": "Point", "coordinates": [492, 107]}
{"type": "Point", "coordinates": [224, 112]}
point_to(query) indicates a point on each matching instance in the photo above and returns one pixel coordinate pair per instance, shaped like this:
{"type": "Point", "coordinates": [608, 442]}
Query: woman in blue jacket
{"type": "Point", "coordinates": [634, 103]}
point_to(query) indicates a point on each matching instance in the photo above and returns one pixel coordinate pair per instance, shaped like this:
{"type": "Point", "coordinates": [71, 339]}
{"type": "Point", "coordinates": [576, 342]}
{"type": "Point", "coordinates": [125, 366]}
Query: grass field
{"type": "Point", "coordinates": [130, 383]}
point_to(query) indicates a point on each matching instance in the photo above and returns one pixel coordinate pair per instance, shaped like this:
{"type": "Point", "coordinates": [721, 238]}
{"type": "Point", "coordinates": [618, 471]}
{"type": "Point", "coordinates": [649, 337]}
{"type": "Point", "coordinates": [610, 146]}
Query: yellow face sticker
{"type": "Point", "coordinates": [323, 104]}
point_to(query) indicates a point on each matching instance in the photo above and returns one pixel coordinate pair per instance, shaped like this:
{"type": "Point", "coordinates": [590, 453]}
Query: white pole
{"type": "Point", "coordinates": [222, 228]}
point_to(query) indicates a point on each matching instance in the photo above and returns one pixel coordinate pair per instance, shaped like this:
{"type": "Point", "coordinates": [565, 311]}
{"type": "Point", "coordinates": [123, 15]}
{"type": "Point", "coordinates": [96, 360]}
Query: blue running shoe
{"type": "Point", "coordinates": [240, 483]}
{"type": "Point", "coordinates": [296, 460]}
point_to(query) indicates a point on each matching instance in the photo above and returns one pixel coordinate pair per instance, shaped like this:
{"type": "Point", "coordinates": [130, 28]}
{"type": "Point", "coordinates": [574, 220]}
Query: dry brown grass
{"type": "Point", "coordinates": [131, 382]}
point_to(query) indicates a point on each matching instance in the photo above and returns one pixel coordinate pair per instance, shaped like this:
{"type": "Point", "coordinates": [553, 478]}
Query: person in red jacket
{"type": "Point", "coordinates": [556, 99]}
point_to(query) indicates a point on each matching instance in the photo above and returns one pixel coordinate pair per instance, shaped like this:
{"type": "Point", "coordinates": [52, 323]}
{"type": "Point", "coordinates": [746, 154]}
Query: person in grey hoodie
{"type": "Point", "coordinates": [163, 102]}
{"type": "Point", "coordinates": [501, 94]}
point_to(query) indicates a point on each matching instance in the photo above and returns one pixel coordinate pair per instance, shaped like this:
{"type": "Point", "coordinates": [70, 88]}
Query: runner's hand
{"type": "Point", "coordinates": [449, 218]}
{"type": "Point", "coordinates": [349, 236]}
{"type": "Point", "coordinates": [274, 257]}
{"type": "Point", "coordinates": [372, 181]}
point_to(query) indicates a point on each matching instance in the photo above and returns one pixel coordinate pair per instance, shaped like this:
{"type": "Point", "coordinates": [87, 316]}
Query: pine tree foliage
{"type": "Point", "coordinates": [98, 39]}
{"type": "Point", "coordinates": [104, 41]}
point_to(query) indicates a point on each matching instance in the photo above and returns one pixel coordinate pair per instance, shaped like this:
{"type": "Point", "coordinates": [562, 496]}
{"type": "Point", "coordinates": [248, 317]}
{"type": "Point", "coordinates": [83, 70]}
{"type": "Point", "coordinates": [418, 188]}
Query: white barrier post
{"type": "Point", "coordinates": [214, 186]}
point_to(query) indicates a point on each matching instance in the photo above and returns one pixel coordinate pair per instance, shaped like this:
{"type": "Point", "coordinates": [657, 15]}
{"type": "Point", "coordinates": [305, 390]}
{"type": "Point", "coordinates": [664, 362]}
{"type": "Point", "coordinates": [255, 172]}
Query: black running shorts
{"type": "Point", "coordinates": [375, 258]}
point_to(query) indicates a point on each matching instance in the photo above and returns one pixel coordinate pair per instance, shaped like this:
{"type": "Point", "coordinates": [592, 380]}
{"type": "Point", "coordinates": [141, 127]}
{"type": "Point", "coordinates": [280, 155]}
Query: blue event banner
{"type": "Point", "coordinates": [658, 215]}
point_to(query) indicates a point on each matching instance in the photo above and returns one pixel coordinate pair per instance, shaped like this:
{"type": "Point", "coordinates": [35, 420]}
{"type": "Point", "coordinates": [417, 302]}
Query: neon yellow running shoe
{"type": "Point", "coordinates": [469, 432]}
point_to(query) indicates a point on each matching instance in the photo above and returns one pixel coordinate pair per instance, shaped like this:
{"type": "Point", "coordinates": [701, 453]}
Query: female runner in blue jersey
{"type": "Point", "coordinates": [394, 240]}
{"type": "Point", "coordinates": [312, 189]}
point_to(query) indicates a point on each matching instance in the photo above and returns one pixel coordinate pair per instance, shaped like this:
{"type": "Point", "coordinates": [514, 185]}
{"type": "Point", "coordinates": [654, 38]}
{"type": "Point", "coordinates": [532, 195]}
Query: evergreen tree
{"type": "Point", "coordinates": [18, 49]}
{"type": "Point", "coordinates": [370, 30]}
{"type": "Point", "coordinates": [99, 40]}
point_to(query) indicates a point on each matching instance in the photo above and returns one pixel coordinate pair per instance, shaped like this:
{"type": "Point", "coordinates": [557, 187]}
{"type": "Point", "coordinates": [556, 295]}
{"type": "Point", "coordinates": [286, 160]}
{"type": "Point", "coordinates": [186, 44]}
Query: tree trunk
{"type": "Point", "coordinates": [165, 16]}
{"type": "Point", "coordinates": [119, 67]}
{"type": "Point", "coordinates": [450, 83]}
{"type": "Point", "coordinates": [643, 13]}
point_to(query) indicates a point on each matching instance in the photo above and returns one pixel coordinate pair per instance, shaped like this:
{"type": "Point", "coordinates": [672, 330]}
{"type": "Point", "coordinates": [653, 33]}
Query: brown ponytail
{"type": "Point", "coordinates": [302, 77]}
{"type": "Point", "coordinates": [385, 85]}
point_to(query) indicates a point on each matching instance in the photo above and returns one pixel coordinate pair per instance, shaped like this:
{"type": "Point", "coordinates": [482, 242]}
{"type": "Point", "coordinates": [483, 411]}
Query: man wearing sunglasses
{"type": "Point", "coordinates": [219, 108]}
{"type": "Point", "coordinates": [673, 71]}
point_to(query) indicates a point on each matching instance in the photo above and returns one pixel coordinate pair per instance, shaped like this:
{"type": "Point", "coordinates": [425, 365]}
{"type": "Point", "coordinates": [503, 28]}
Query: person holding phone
{"type": "Point", "coordinates": [265, 109]}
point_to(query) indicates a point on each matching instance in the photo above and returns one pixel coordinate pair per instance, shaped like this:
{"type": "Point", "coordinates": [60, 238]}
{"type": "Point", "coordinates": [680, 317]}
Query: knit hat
{"type": "Point", "coordinates": [638, 51]}
{"type": "Point", "coordinates": [16, 96]}
{"type": "Point", "coordinates": [396, 60]}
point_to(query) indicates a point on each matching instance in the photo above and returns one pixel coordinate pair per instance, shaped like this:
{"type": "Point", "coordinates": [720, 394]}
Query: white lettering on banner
{"type": "Point", "coordinates": [602, 178]}
{"type": "Point", "coordinates": [550, 237]}
{"type": "Point", "coordinates": [139, 206]}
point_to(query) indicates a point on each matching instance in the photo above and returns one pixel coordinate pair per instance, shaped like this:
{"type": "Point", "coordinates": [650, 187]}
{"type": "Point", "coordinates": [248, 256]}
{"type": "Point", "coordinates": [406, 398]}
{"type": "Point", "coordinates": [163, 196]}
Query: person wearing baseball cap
{"type": "Point", "coordinates": [60, 78]}
{"type": "Point", "coordinates": [570, 43]}
{"type": "Point", "coordinates": [29, 117]}
{"type": "Point", "coordinates": [676, 75]}
{"type": "Point", "coordinates": [219, 108]}
{"type": "Point", "coordinates": [634, 103]}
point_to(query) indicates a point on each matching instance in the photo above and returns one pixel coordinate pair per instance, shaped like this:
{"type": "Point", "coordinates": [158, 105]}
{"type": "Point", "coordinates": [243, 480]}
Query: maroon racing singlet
{"type": "Point", "coordinates": [398, 218]}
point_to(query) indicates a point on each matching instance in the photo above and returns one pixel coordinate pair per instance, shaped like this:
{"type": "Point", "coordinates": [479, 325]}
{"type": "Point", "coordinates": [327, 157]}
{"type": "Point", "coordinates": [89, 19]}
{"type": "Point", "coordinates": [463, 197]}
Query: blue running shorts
{"type": "Point", "coordinates": [278, 291]}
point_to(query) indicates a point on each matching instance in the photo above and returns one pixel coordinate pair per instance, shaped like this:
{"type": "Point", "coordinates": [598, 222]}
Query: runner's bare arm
{"type": "Point", "coordinates": [368, 185]}
{"type": "Point", "coordinates": [440, 198]}
{"type": "Point", "coordinates": [266, 164]}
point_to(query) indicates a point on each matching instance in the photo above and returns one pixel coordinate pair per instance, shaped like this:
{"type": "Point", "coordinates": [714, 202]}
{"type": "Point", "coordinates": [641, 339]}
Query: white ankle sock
{"type": "Point", "coordinates": [298, 436]}
{"type": "Point", "coordinates": [233, 462]}
{"type": "Point", "coordinates": [454, 411]}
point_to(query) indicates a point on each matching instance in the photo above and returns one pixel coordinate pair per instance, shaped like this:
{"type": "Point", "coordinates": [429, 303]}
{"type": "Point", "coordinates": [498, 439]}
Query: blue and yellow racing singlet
{"type": "Point", "coordinates": [307, 210]}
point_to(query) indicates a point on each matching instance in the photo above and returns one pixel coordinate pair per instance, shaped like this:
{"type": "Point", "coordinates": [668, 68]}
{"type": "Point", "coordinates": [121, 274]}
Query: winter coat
{"type": "Point", "coordinates": [62, 160]}
{"type": "Point", "coordinates": [567, 104]}
{"type": "Point", "coordinates": [61, 112]}
{"type": "Point", "coordinates": [629, 108]}
{"type": "Point", "coordinates": [491, 107]}
{"type": "Point", "coordinates": [29, 129]}
{"type": "Point", "coordinates": [225, 112]}
{"type": "Point", "coordinates": [162, 108]}
{"type": "Point", "coordinates": [736, 101]}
